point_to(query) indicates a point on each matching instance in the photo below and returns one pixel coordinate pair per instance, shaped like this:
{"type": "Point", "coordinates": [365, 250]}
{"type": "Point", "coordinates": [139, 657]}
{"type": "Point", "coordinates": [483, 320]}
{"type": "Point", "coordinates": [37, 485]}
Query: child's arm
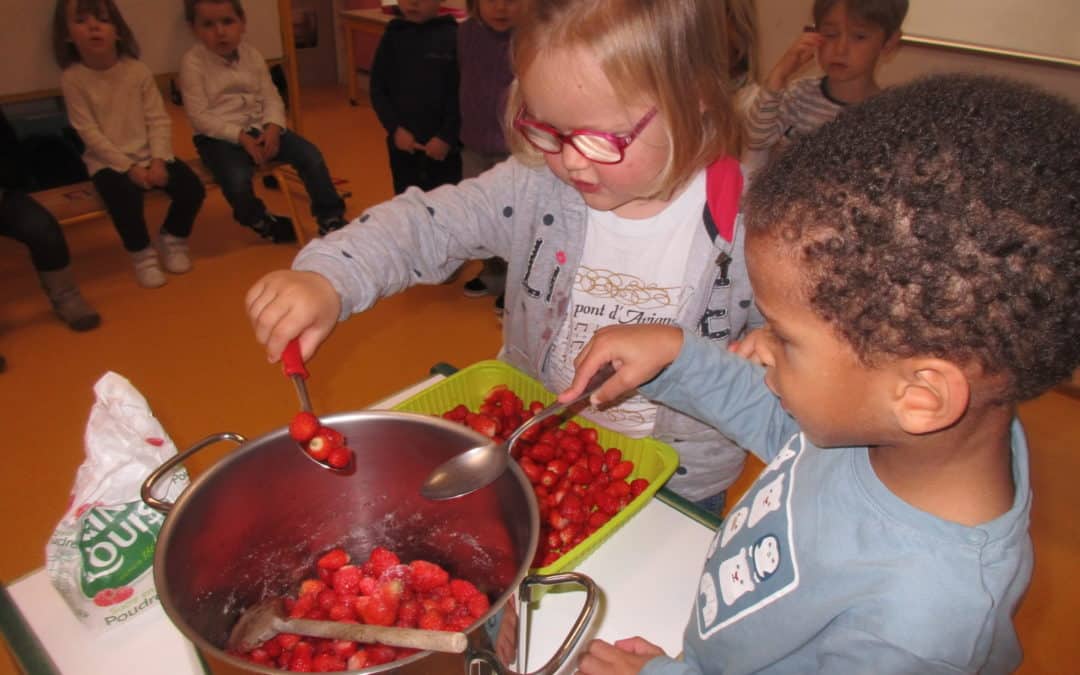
{"type": "Point", "coordinates": [273, 107]}
{"type": "Point", "coordinates": [624, 657]}
{"type": "Point", "coordinates": [764, 121]}
{"type": "Point", "coordinates": [287, 304]}
{"type": "Point", "coordinates": [383, 78]}
{"type": "Point", "coordinates": [719, 388]}
{"type": "Point", "coordinates": [85, 124]}
{"type": "Point", "coordinates": [197, 102]}
{"type": "Point", "coordinates": [158, 128]}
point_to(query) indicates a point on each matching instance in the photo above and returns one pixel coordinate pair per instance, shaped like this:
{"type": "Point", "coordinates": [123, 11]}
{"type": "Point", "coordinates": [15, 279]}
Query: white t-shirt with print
{"type": "Point", "coordinates": [631, 272]}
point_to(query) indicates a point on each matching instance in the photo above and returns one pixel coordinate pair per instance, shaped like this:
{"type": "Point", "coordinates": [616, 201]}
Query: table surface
{"type": "Point", "coordinates": [641, 594]}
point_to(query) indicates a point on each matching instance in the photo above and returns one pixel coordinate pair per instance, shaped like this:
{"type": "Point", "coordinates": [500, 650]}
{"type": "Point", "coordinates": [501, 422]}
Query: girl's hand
{"type": "Point", "coordinates": [253, 147]}
{"type": "Point", "coordinates": [157, 174]}
{"type": "Point", "coordinates": [271, 141]}
{"type": "Point", "coordinates": [140, 176]}
{"type": "Point", "coordinates": [638, 354]}
{"type": "Point", "coordinates": [622, 658]}
{"type": "Point", "coordinates": [800, 53]}
{"type": "Point", "coordinates": [437, 149]}
{"type": "Point", "coordinates": [404, 140]}
{"type": "Point", "coordinates": [287, 304]}
{"type": "Point", "coordinates": [750, 347]}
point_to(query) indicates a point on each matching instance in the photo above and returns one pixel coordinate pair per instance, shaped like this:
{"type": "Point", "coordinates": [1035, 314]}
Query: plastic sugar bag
{"type": "Point", "coordinates": [100, 557]}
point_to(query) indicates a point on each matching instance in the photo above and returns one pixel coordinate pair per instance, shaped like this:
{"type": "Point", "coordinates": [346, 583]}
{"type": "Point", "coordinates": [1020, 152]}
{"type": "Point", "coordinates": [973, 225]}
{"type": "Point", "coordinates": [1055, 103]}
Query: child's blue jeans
{"type": "Point", "coordinates": [234, 169]}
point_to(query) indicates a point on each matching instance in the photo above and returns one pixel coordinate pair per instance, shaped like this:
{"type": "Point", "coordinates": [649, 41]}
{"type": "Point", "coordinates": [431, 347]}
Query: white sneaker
{"type": "Point", "coordinates": [174, 253]}
{"type": "Point", "coordinates": [147, 270]}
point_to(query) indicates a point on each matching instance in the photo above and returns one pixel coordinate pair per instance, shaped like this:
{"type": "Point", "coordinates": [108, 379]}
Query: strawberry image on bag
{"type": "Point", "coordinates": [100, 556]}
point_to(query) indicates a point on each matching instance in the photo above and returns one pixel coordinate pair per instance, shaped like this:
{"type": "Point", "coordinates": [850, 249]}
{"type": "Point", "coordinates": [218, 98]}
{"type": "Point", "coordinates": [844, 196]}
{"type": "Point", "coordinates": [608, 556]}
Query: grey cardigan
{"type": "Point", "coordinates": [534, 221]}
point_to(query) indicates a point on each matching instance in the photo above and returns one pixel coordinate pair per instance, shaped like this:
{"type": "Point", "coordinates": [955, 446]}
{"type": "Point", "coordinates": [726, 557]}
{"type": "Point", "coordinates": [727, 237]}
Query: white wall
{"type": "Point", "coordinates": [781, 21]}
{"type": "Point", "coordinates": [26, 58]}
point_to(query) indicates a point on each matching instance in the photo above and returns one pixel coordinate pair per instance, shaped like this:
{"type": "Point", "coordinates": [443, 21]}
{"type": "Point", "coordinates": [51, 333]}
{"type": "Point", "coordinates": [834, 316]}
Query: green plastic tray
{"type": "Point", "coordinates": [653, 460]}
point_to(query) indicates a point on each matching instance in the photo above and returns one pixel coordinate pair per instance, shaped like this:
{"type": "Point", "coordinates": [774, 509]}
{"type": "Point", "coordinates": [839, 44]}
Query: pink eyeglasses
{"type": "Point", "coordinates": [596, 146]}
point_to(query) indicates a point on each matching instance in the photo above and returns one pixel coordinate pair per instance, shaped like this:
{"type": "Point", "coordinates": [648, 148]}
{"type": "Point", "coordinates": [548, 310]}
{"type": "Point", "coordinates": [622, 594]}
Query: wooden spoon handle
{"type": "Point", "coordinates": [414, 638]}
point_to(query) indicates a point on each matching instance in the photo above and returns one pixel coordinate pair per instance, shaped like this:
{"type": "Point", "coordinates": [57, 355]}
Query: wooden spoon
{"type": "Point", "coordinates": [266, 619]}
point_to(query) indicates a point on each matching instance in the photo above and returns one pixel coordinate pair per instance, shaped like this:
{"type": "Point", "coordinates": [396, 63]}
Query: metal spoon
{"type": "Point", "coordinates": [473, 469]}
{"type": "Point", "coordinates": [292, 363]}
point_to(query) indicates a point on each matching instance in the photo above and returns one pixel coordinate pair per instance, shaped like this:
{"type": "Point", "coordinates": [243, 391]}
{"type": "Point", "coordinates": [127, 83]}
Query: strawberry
{"type": "Point", "coordinates": [479, 605]}
{"type": "Point", "coordinates": [332, 436]}
{"type": "Point", "coordinates": [462, 590]}
{"type": "Point", "coordinates": [379, 612]}
{"type": "Point", "coordinates": [380, 654]}
{"type": "Point", "coordinates": [318, 448]}
{"type": "Point", "coordinates": [432, 619]}
{"type": "Point", "coordinates": [380, 560]}
{"type": "Point", "coordinates": [621, 470]}
{"type": "Point", "coordinates": [105, 597]}
{"type": "Point", "coordinates": [485, 425]}
{"type": "Point", "coordinates": [637, 486]}
{"type": "Point", "coordinates": [328, 663]}
{"type": "Point", "coordinates": [312, 586]}
{"type": "Point", "coordinates": [347, 579]}
{"type": "Point", "coordinates": [426, 575]}
{"type": "Point", "coordinates": [333, 559]}
{"type": "Point", "coordinates": [358, 661]}
{"type": "Point", "coordinates": [339, 458]}
{"type": "Point", "coordinates": [304, 426]}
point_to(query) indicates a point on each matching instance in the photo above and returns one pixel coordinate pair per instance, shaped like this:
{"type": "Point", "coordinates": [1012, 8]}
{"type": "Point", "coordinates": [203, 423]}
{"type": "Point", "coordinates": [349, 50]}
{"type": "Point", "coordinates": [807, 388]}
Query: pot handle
{"type": "Point", "coordinates": [168, 465]}
{"type": "Point", "coordinates": [592, 596]}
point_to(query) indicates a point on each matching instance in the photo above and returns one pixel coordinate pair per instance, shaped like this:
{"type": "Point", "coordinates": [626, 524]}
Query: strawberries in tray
{"type": "Point", "coordinates": [579, 485]}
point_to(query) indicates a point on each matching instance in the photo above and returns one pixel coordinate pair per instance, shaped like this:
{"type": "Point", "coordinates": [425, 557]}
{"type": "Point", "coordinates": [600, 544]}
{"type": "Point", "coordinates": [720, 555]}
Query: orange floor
{"type": "Point", "coordinates": [188, 348]}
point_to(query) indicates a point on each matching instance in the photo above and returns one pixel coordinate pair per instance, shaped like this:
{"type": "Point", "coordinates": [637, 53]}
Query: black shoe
{"type": "Point", "coordinates": [474, 288]}
{"type": "Point", "coordinates": [331, 224]}
{"type": "Point", "coordinates": [499, 305]}
{"type": "Point", "coordinates": [277, 229]}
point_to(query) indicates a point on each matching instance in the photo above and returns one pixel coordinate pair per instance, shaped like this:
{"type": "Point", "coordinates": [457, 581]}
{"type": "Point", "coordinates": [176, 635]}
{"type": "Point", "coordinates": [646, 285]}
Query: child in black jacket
{"type": "Point", "coordinates": [414, 90]}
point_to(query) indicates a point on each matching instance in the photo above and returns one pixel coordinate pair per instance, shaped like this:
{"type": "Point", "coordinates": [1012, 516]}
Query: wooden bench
{"type": "Point", "coordinates": [78, 202]}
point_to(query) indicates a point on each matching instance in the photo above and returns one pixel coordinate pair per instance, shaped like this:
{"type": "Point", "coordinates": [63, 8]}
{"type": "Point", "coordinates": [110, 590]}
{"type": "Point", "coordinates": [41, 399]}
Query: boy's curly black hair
{"type": "Point", "coordinates": [940, 218]}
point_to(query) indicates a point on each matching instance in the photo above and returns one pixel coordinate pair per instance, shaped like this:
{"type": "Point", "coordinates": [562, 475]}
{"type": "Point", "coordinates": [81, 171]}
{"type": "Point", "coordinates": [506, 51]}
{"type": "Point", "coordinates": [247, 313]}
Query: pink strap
{"type": "Point", "coordinates": [723, 187]}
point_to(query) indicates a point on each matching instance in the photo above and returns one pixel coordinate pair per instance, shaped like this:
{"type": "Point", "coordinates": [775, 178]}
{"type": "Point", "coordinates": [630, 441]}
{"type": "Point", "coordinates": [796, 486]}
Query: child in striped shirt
{"type": "Point", "coordinates": [849, 38]}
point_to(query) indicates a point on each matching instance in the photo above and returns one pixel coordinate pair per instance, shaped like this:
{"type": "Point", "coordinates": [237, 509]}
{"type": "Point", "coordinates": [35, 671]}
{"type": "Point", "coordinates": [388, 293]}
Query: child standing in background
{"type": "Point", "coordinates": [239, 122]}
{"type": "Point", "coordinates": [917, 262]}
{"type": "Point", "coordinates": [849, 38]}
{"type": "Point", "coordinates": [483, 49]}
{"type": "Point", "coordinates": [114, 104]}
{"type": "Point", "coordinates": [619, 207]}
{"type": "Point", "coordinates": [414, 91]}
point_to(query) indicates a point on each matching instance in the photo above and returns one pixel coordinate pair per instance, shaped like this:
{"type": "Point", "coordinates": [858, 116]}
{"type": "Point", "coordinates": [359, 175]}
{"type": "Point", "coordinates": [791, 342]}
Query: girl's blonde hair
{"type": "Point", "coordinates": [670, 53]}
{"type": "Point", "coordinates": [64, 50]}
{"type": "Point", "coordinates": [742, 31]}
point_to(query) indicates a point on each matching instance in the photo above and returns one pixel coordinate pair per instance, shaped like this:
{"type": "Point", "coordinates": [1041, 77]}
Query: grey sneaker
{"type": "Point", "coordinates": [147, 269]}
{"type": "Point", "coordinates": [174, 253]}
{"type": "Point", "coordinates": [67, 302]}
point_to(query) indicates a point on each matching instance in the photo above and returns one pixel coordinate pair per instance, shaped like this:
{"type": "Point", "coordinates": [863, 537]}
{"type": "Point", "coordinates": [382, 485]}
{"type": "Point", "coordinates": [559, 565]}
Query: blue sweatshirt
{"type": "Point", "coordinates": [821, 569]}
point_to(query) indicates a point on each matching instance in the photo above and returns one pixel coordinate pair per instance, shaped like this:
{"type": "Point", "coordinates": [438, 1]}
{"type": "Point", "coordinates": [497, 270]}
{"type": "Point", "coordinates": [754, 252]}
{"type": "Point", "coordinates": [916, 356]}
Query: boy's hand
{"type": "Point", "coordinates": [437, 149]}
{"type": "Point", "coordinates": [288, 304]}
{"type": "Point", "coordinates": [637, 353]}
{"type": "Point", "coordinates": [271, 141]}
{"type": "Point", "coordinates": [140, 176]}
{"type": "Point", "coordinates": [253, 147]}
{"type": "Point", "coordinates": [800, 53]}
{"type": "Point", "coordinates": [404, 140]}
{"type": "Point", "coordinates": [157, 175]}
{"type": "Point", "coordinates": [750, 347]}
{"type": "Point", "coordinates": [622, 658]}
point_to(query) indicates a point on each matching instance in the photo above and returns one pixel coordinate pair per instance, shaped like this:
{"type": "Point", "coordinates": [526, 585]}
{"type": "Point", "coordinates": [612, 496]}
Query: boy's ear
{"type": "Point", "coordinates": [892, 43]}
{"type": "Point", "coordinates": [931, 394]}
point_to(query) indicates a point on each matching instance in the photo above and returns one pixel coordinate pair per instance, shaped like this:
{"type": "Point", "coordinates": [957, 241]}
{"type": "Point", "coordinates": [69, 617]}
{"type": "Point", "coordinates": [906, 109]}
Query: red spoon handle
{"type": "Point", "coordinates": [291, 360]}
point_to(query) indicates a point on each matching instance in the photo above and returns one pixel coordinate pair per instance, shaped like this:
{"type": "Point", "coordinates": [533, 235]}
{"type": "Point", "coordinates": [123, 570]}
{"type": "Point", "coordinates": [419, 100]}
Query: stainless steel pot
{"type": "Point", "coordinates": [252, 525]}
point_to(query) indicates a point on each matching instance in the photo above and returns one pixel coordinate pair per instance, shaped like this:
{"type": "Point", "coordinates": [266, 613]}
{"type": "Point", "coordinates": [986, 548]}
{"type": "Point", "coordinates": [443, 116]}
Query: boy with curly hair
{"type": "Point", "coordinates": [918, 261]}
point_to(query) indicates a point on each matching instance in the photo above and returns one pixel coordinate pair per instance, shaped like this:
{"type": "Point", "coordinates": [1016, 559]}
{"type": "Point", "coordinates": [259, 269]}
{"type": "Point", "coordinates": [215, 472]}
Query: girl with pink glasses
{"type": "Point", "coordinates": [619, 205]}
